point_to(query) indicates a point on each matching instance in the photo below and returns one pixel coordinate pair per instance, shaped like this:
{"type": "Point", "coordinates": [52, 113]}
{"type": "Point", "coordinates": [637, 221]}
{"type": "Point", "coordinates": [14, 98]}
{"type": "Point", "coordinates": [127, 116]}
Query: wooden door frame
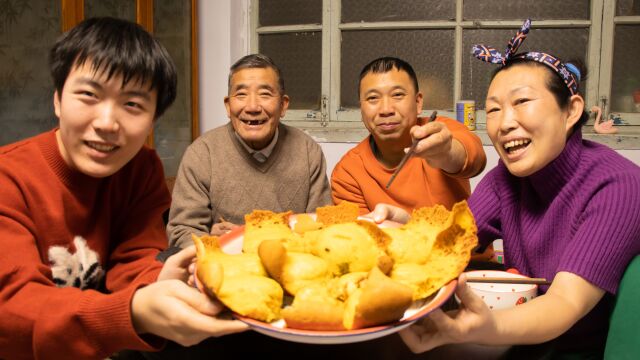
{"type": "Point", "coordinates": [72, 13]}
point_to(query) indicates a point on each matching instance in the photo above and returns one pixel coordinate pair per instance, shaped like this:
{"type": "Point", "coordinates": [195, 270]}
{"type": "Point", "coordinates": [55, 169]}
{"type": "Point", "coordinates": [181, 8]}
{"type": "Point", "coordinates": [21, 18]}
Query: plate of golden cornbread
{"type": "Point", "coordinates": [334, 277]}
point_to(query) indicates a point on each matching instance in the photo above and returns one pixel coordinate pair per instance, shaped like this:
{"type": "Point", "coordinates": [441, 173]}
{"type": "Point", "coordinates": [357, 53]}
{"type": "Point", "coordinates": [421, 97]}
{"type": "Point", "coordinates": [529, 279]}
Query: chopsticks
{"type": "Point", "coordinates": [506, 280]}
{"type": "Point", "coordinates": [412, 149]}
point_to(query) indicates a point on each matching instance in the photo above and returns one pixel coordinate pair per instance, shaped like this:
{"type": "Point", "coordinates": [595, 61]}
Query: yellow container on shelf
{"type": "Point", "coordinates": [466, 113]}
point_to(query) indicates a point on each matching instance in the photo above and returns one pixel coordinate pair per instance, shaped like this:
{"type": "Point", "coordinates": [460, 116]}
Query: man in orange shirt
{"type": "Point", "coordinates": [450, 154]}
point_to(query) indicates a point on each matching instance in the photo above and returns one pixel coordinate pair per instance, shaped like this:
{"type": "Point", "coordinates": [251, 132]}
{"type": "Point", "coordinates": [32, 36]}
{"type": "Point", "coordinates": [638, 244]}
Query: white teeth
{"type": "Point", "coordinates": [514, 143]}
{"type": "Point", "coordinates": [101, 147]}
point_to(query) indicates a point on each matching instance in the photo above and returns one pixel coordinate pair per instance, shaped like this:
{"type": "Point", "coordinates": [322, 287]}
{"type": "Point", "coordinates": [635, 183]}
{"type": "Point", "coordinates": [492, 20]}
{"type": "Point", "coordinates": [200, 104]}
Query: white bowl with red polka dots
{"type": "Point", "coordinates": [501, 296]}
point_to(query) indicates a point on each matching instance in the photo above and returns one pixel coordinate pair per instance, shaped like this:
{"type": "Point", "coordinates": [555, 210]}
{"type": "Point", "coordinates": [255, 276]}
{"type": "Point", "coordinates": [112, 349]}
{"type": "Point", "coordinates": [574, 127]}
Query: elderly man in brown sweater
{"type": "Point", "coordinates": [253, 162]}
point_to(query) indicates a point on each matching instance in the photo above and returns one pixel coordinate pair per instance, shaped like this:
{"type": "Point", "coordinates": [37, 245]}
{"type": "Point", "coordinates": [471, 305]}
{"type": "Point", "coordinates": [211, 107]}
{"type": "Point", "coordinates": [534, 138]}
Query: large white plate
{"type": "Point", "coordinates": [232, 243]}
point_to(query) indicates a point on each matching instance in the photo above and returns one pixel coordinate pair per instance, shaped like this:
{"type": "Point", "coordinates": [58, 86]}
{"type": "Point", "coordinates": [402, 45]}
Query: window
{"type": "Point", "coordinates": [322, 45]}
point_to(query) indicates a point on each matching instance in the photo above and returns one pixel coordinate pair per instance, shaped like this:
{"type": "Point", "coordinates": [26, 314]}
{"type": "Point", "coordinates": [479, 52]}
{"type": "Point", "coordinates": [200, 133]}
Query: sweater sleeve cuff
{"type": "Point", "coordinates": [108, 319]}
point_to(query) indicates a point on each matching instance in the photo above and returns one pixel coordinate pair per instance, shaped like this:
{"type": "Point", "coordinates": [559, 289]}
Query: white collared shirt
{"type": "Point", "coordinates": [263, 154]}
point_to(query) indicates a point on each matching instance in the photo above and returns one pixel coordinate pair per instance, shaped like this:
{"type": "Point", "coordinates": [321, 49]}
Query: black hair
{"type": "Point", "coordinates": [259, 61]}
{"type": "Point", "coordinates": [116, 47]}
{"type": "Point", "coordinates": [555, 83]}
{"type": "Point", "coordinates": [385, 64]}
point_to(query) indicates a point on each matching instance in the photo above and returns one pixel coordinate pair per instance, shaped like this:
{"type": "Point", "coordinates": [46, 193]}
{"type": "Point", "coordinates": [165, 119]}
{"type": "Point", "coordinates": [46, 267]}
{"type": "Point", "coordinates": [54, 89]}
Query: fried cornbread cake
{"type": "Point", "coordinates": [341, 272]}
{"type": "Point", "coordinates": [239, 281]}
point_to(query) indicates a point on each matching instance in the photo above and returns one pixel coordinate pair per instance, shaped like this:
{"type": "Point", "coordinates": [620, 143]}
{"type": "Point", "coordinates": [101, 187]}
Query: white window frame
{"type": "Point", "coordinates": [333, 124]}
{"type": "Point", "coordinates": [609, 21]}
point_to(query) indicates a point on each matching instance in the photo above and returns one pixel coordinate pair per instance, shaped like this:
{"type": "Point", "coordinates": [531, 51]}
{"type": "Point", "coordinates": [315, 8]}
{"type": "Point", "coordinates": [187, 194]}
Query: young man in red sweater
{"type": "Point", "coordinates": [81, 211]}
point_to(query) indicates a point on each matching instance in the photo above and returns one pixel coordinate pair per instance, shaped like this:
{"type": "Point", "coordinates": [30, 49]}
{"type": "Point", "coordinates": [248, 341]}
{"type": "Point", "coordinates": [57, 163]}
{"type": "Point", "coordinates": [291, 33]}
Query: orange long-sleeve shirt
{"type": "Point", "coordinates": [361, 179]}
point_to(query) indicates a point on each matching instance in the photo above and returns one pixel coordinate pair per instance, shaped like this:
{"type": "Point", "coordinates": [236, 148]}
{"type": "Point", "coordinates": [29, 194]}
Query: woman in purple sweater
{"type": "Point", "coordinates": [567, 209]}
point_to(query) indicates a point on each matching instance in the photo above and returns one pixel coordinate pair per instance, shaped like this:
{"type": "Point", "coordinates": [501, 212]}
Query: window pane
{"type": "Point", "coordinates": [123, 9]}
{"type": "Point", "coordinates": [27, 32]}
{"type": "Point", "coordinates": [433, 64]}
{"type": "Point", "coordinates": [521, 9]}
{"type": "Point", "coordinates": [625, 83]}
{"type": "Point", "coordinates": [565, 43]}
{"type": "Point", "coordinates": [172, 132]}
{"type": "Point", "coordinates": [393, 10]}
{"type": "Point", "coordinates": [299, 57]}
{"type": "Point", "coordinates": [290, 12]}
{"type": "Point", "coordinates": [627, 7]}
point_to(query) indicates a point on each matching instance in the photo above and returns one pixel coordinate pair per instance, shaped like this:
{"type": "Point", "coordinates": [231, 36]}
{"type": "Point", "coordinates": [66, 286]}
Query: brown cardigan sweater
{"type": "Point", "coordinates": [219, 178]}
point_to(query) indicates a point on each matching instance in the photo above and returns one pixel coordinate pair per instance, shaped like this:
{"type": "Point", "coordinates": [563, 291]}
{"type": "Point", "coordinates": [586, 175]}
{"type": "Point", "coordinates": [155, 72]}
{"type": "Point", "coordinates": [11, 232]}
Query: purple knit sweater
{"type": "Point", "coordinates": [580, 214]}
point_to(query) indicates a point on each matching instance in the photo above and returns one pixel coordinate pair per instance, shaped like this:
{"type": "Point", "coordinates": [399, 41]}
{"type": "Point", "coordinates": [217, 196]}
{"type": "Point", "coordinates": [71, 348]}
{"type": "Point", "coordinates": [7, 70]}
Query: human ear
{"type": "Point", "coordinates": [285, 105]}
{"type": "Point", "coordinates": [576, 108]}
{"type": "Point", "coordinates": [226, 106]}
{"type": "Point", "coordinates": [56, 103]}
{"type": "Point", "coordinates": [419, 101]}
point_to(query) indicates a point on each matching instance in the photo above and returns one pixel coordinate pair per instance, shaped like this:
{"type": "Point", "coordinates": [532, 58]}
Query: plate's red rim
{"type": "Point", "coordinates": [443, 294]}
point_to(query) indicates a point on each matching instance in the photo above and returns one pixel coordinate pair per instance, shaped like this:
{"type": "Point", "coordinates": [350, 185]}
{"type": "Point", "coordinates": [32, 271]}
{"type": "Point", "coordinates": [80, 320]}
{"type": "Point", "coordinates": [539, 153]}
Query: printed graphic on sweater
{"type": "Point", "coordinates": [81, 269]}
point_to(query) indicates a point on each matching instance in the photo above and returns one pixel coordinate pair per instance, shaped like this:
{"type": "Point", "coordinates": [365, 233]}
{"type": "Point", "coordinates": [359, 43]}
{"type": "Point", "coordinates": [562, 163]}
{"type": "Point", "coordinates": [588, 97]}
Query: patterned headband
{"type": "Point", "coordinates": [491, 55]}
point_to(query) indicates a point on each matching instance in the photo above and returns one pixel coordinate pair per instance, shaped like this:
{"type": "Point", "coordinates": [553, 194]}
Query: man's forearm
{"type": "Point", "coordinates": [454, 162]}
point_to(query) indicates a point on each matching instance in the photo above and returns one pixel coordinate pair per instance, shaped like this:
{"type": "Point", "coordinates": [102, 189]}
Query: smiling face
{"type": "Point", "coordinates": [524, 121]}
{"type": "Point", "coordinates": [255, 105]}
{"type": "Point", "coordinates": [389, 105]}
{"type": "Point", "coordinates": [103, 125]}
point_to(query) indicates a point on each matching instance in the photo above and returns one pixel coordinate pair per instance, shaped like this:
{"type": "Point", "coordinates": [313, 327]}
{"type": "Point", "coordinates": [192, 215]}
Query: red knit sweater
{"type": "Point", "coordinates": [61, 297]}
{"type": "Point", "coordinates": [361, 179]}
